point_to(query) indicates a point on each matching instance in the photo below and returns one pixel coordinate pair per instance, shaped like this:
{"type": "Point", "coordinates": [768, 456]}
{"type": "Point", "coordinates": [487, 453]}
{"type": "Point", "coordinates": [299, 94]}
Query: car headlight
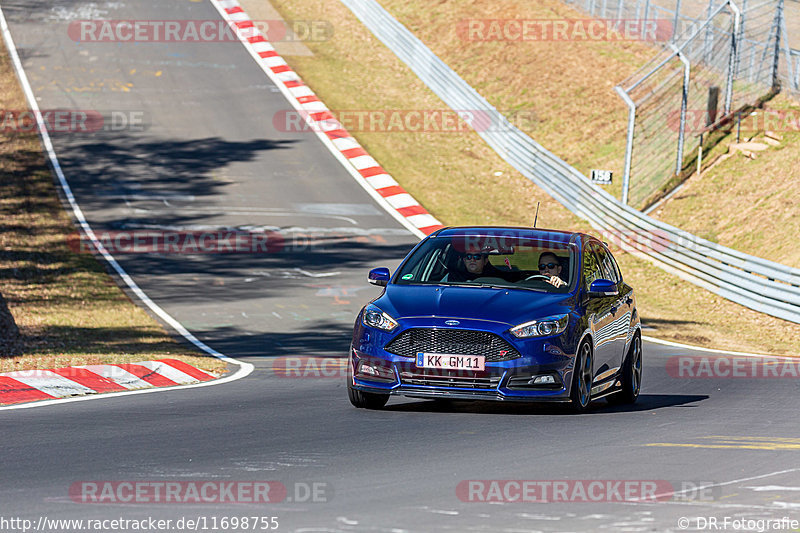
{"type": "Point", "coordinates": [374, 317]}
{"type": "Point", "coordinates": [543, 327]}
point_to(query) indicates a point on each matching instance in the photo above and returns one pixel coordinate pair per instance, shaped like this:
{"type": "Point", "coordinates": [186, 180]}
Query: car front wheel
{"type": "Point", "coordinates": [366, 400]}
{"type": "Point", "coordinates": [581, 392]}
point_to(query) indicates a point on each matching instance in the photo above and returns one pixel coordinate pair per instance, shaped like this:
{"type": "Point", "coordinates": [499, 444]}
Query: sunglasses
{"type": "Point", "coordinates": [542, 266]}
{"type": "Point", "coordinates": [473, 256]}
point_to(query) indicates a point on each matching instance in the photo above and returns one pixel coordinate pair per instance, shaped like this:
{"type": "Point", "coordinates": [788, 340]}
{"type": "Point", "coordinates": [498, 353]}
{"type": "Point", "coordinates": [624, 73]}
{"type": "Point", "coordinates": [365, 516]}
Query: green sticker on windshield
{"type": "Point", "coordinates": [408, 276]}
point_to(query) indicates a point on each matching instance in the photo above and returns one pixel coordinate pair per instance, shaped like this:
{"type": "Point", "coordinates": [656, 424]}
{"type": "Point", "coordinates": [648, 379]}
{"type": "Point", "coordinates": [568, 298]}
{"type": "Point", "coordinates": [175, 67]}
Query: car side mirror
{"type": "Point", "coordinates": [379, 276]}
{"type": "Point", "coordinates": [602, 287]}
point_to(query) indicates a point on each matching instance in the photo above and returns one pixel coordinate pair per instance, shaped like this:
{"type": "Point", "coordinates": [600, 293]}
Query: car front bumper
{"type": "Point", "coordinates": [506, 381]}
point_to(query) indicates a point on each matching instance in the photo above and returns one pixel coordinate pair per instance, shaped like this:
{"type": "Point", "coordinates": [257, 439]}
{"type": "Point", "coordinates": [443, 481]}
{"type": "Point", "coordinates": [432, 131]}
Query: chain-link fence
{"type": "Point", "coordinates": [686, 15]}
{"type": "Point", "coordinates": [722, 56]}
{"type": "Point", "coordinates": [709, 71]}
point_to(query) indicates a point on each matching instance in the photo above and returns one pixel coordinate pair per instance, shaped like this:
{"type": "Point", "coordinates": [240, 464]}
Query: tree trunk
{"type": "Point", "coordinates": [10, 344]}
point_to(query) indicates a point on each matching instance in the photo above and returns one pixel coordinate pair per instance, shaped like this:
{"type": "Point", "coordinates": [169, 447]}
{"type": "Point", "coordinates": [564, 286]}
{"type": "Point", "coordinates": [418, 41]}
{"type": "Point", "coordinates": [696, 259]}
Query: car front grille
{"type": "Point", "coordinates": [452, 341]}
{"type": "Point", "coordinates": [449, 378]}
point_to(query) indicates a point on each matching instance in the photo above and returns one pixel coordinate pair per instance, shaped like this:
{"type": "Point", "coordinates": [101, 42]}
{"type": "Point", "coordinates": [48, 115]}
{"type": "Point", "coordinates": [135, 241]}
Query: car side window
{"type": "Point", "coordinates": [592, 268]}
{"type": "Point", "coordinates": [614, 267]}
{"type": "Point", "coordinates": [605, 261]}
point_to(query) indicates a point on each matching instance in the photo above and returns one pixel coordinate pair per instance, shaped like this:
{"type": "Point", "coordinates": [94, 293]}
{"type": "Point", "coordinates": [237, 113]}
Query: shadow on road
{"type": "Point", "coordinates": [646, 402]}
{"type": "Point", "coordinates": [321, 339]}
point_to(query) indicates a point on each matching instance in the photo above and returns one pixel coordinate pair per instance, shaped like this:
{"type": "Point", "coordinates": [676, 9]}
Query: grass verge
{"type": "Point", "coordinates": [462, 181]}
{"type": "Point", "coordinates": [68, 309]}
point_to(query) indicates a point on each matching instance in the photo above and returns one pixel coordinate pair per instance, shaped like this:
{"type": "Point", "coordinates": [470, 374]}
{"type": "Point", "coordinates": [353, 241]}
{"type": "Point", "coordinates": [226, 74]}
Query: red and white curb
{"type": "Point", "coordinates": [366, 170]}
{"type": "Point", "coordinates": [24, 386]}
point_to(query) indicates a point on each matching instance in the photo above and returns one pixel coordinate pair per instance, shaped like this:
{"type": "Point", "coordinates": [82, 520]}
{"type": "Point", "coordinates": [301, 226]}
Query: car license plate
{"type": "Point", "coordinates": [450, 361]}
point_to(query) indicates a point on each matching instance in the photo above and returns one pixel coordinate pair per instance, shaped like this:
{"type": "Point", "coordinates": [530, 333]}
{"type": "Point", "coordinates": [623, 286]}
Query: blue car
{"type": "Point", "coordinates": [499, 313]}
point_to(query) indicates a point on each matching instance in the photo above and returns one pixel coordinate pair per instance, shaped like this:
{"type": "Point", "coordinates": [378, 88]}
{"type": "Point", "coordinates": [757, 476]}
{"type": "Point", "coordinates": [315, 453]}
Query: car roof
{"type": "Point", "coordinates": [542, 234]}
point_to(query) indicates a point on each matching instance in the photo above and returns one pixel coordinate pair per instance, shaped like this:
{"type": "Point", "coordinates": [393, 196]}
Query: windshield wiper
{"type": "Point", "coordinates": [477, 284]}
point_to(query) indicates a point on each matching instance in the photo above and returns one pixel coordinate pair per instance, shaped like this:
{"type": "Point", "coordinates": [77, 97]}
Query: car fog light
{"type": "Point", "coordinates": [375, 371]}
{"type": "Point", "coordinates": [370, 370]}
{"type": "Point", "coordinates": [543, 380]}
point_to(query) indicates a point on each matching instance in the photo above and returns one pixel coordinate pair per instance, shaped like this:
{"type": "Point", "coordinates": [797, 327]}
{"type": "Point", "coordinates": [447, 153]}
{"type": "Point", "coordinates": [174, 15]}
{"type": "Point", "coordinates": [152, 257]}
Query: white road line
{"type": "Point", "coordinates": [773, 488]}
{"type": "Point", "coordinates": [711, 350]}
{"type": "Point", "coordinates": [721, 484]}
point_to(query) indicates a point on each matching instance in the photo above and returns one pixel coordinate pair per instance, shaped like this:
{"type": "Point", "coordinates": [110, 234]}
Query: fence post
{"type": "Point", "coordinates": [676, 20]}
{"type": "Point", "coordinates": [626, 176]}
{"type": "Point", "coordinates": [707, 44]}
{"type": "Point", "coordinates": [786, 49]}
{"type": "Point", "coordinates": [684, 101]}
{"type": "Point", "coordinates": [643, 21]}
{"type": "Point", "coordinates": [737, 20]}
{"type": "Point", "coordinates": [741, 38]}
{"type": "Point", "coordinates": [776, 82]}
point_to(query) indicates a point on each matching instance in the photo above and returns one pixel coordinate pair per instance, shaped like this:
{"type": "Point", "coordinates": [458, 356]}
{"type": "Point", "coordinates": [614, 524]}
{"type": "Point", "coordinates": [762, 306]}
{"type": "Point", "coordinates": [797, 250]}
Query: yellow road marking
{"type": "Point", "coordinates": [768, 439]}
{"type": "Point", "coordinates": [728, 446]}
{"type": "Point", "coordinates": [740, 443]}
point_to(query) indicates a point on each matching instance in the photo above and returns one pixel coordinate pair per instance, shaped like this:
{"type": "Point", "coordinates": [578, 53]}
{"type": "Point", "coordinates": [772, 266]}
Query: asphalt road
{"type": "Point", "coordinates": [209, 158]}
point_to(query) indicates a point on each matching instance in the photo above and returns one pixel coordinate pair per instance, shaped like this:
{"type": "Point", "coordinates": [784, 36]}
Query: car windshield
{"type": "Point", "coordinates": [492, 260]}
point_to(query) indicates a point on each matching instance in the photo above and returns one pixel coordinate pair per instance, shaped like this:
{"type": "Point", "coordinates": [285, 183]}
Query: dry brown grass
{"type": "Point", "coordinates": [68, 309]}
{"type": "Point", "coordinates": [453, 175]}
{"type": "Point", "coordinates": [568, 85]}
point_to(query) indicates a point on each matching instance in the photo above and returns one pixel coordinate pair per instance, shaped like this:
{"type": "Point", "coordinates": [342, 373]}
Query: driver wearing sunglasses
{"type": "Point", "coordinates": [474, 265]}
{"type": "Point", "coordinates": [550, 266]}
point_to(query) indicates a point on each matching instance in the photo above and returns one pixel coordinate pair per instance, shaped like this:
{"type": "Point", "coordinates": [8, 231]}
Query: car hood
{"type": "Point", "coordinates": [510, 306]}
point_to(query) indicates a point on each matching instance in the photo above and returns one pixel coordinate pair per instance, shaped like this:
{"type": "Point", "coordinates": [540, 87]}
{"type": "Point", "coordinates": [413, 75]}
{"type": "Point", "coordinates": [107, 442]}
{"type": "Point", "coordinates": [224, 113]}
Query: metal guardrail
{"type": "Point", "coordinates": [759, 284]}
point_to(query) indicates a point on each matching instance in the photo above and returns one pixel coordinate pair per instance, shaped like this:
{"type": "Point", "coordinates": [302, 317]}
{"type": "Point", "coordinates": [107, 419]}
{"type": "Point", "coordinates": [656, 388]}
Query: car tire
{"type": "Point", "coordinates": [580, 393]}
{"type": "Point", "coordinates": [631, 375]}
{"type": "Point", "coordinates": [366, 400]}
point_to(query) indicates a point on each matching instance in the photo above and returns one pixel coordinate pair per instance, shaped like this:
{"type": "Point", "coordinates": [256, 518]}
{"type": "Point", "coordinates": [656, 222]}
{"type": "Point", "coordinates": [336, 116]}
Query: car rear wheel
{"type": "Point", "coordinates": [631, 375]}
{"type": "Point", "coordinates": [581, 392]}
{"type": "Point", "coordinates": [366, 400]}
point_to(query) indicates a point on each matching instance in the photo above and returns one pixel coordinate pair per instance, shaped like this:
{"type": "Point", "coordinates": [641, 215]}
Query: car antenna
{"type": "Point", "coordinates": [537, 215]}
